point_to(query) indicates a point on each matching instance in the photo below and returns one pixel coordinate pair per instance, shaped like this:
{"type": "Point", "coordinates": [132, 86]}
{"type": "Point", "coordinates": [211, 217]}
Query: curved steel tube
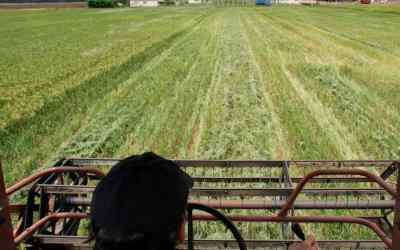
{"type": "Point", "coordinates": [28, 180]}
{"type": "Point", "coordinates": [288, 205]}
{"type": "Point", "coordinates": [30, 230]}
{"type": "Point", "coordinates": [315, 219]}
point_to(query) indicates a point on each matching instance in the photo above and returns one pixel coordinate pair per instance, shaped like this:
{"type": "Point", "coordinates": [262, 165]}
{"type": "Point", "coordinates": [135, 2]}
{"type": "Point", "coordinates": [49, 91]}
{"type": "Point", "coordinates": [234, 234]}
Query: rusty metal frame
{"type": "Point", "coordinates": [396, 224]}
{"type": "Point", "coordinates": [239, 163]}
{"type": "Point", "coordinates": [6, 233]}
{"type": "Point", "coordinates": [266, 204]}
{"type": "Point", "coordinates": [218, 192]}
{"type": "Point", "coordinates": [309, 176]}
{"type": "Point", "coordinates": [306, 219]}
{"type": "Point", "coordinates": [30, 179]}
{"type": "Point", "coordinates": [281, 215]}
{"type": "Point", "coordinates": [38, 224]}
{"type": "Point", "coordinates": [78, 242]}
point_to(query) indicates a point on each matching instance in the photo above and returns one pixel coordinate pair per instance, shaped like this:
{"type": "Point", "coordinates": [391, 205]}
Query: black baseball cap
{"type": "Point", "coordinates": [143, 194]}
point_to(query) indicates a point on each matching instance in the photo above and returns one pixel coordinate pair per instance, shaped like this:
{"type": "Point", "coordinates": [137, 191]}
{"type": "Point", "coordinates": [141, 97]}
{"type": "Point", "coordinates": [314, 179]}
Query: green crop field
{"type": "Point", "coordinates": [285, 82]}
{"type": "Point", "coordinates": [212, 83]}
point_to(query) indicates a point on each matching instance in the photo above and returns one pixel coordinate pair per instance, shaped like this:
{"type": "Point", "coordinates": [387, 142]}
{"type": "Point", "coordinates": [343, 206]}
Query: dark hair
{"type": "Point", "coordinates": [139, 204]}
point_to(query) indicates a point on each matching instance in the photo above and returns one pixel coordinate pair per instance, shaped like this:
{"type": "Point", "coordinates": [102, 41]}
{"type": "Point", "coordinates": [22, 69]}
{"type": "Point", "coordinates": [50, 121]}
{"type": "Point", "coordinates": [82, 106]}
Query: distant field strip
{"type": "Point", "coordinates": [214, 83]}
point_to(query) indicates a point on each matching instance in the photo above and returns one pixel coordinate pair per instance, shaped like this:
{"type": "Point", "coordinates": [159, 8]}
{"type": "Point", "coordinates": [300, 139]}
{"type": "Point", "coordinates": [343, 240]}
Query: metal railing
{"type": "Point", "coordinates": [342, 171]}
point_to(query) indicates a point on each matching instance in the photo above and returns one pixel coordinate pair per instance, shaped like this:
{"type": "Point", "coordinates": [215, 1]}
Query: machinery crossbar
{"type": "Point", "coordinates": [66, 189]}
{"type": "Point", "coordinates": [269, 204]}
{"type": "Point", "coordinates": [81, 243]}
{"type": "Point", "coordinates": [286, 192]}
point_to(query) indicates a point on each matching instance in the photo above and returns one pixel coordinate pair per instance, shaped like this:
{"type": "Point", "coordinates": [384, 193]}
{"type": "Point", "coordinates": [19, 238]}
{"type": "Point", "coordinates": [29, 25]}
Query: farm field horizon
{"type": "Point", "coordinates": [286, 82]}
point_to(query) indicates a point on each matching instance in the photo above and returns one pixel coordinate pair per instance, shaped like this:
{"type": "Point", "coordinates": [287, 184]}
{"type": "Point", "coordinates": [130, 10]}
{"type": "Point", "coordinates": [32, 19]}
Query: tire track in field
{"type": "Point", "coordinates": [314, 104]}
{"type": "Point", "coordinates": [112, 113]}
{"type": "Point", "coordinates": [339, 135]}
{"type": "Point", "coordinates": [359, 100]}
{"type": "Point", "coordinates": [339, 49]}
{"type": "Point", "coordinates": [280, 148]}
{"type": "Point", "coordinates": [357, 88]}
{"type": "Point", "coordinates": [361, 45]}
{"type": "Point", "coordinates": [304, 135]}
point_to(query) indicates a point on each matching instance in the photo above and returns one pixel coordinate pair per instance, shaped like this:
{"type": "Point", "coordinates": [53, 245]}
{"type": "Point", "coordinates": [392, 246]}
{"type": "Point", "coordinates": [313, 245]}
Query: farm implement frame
{"type": "Point", "coordinates": [58, 199]}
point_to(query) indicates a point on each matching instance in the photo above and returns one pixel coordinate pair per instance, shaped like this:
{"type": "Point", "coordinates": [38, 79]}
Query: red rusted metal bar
{"type": "Point", "coordinates": [18, 228]}
{"type": "Point", "coordinates": [30, 230]}
{"type": "Point", "coordinates": [306, 204]}
{"type": "Point", "coordinates": [81, 243]}
{"type": "Point", "coordinates": [238, 163]}
{"type": "Point", "coordinates": [223, 192]}
{"type": "Point", "coordinates": [266, 204]}
{"type": "Point", "coordinates": [276, 179]}
{"type": "Point", "coordinates": [6, 233]}
{"type": "Point", "coordinates": [19, 208]}
{"type": "Point", "coordinates": [28, 180]}
{"type": "Point", "coordinates": [305, 219]}
{"type": "Point", "coordinates": [310, 219]}
{"type": "Point", "coordinates": [396, 222]}
{"type": "Point", "coordinates": [284, 210]}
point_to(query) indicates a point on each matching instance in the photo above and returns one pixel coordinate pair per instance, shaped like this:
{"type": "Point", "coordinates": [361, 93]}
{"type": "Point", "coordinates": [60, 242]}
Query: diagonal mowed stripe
{"type": "Point", "coordinates": [107, 122]}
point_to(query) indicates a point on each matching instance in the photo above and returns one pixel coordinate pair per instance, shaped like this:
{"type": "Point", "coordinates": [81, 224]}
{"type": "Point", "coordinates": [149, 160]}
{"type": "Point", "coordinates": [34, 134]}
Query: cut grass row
{"type": "Point", "coordinates": [54, 52]}
{"type": "Point", "coordinates": [28, 142]}
{"type": "Point", "coordinates": [322, 71]}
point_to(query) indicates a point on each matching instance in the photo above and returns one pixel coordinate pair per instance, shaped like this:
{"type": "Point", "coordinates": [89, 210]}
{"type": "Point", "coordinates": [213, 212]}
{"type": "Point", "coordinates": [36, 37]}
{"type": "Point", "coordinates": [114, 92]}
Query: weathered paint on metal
{"type": "Point", "coordinates": [221, 192]}
{"type": "Point", "coordinates": [240, 163]}
{"type": "Point", "coordinates": [314, 219]}
{"type": "Point", "coordinates": [28, 180]}
{"type": "Point", "coordinates": [38, 224]}
{"type": "Point", "coordinates": [221, 244]}
{"type": "Point", "coordinates": [6, 233]}
{"type": "Point", "coordinates": [80, 165]}
{"type": "Point", "coordinates": [300, 186]}
{"type": "Point", "coordinates": [305, 219]}
{"type": "Point", "coordinates": [266, 204]}
{"type": "Point", "coordinates": [396, 223]}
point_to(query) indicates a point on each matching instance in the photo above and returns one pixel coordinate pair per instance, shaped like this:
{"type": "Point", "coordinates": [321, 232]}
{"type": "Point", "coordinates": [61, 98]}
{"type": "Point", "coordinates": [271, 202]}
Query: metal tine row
{"type": "Point", "coordinates": [260, 172]}
{"type": "Point", "coordinates": [263, 185]}
{"type": "Point", "coordinates": [262, 180]}
{"type": "Point", "coordinates": [266, 195]}
{"type": "Point", "coordinates": [260, 188]}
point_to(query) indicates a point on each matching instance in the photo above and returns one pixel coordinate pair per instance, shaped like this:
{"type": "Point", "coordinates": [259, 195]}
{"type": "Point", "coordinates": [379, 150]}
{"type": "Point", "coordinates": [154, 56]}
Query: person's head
{"type": "Point", "coordinates": [140, 204]}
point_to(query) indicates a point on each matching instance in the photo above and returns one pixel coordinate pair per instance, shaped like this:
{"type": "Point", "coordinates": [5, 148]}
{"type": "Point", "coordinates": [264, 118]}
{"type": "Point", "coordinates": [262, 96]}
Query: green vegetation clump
{"type": "Point", "coordinates": [101, 3]}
